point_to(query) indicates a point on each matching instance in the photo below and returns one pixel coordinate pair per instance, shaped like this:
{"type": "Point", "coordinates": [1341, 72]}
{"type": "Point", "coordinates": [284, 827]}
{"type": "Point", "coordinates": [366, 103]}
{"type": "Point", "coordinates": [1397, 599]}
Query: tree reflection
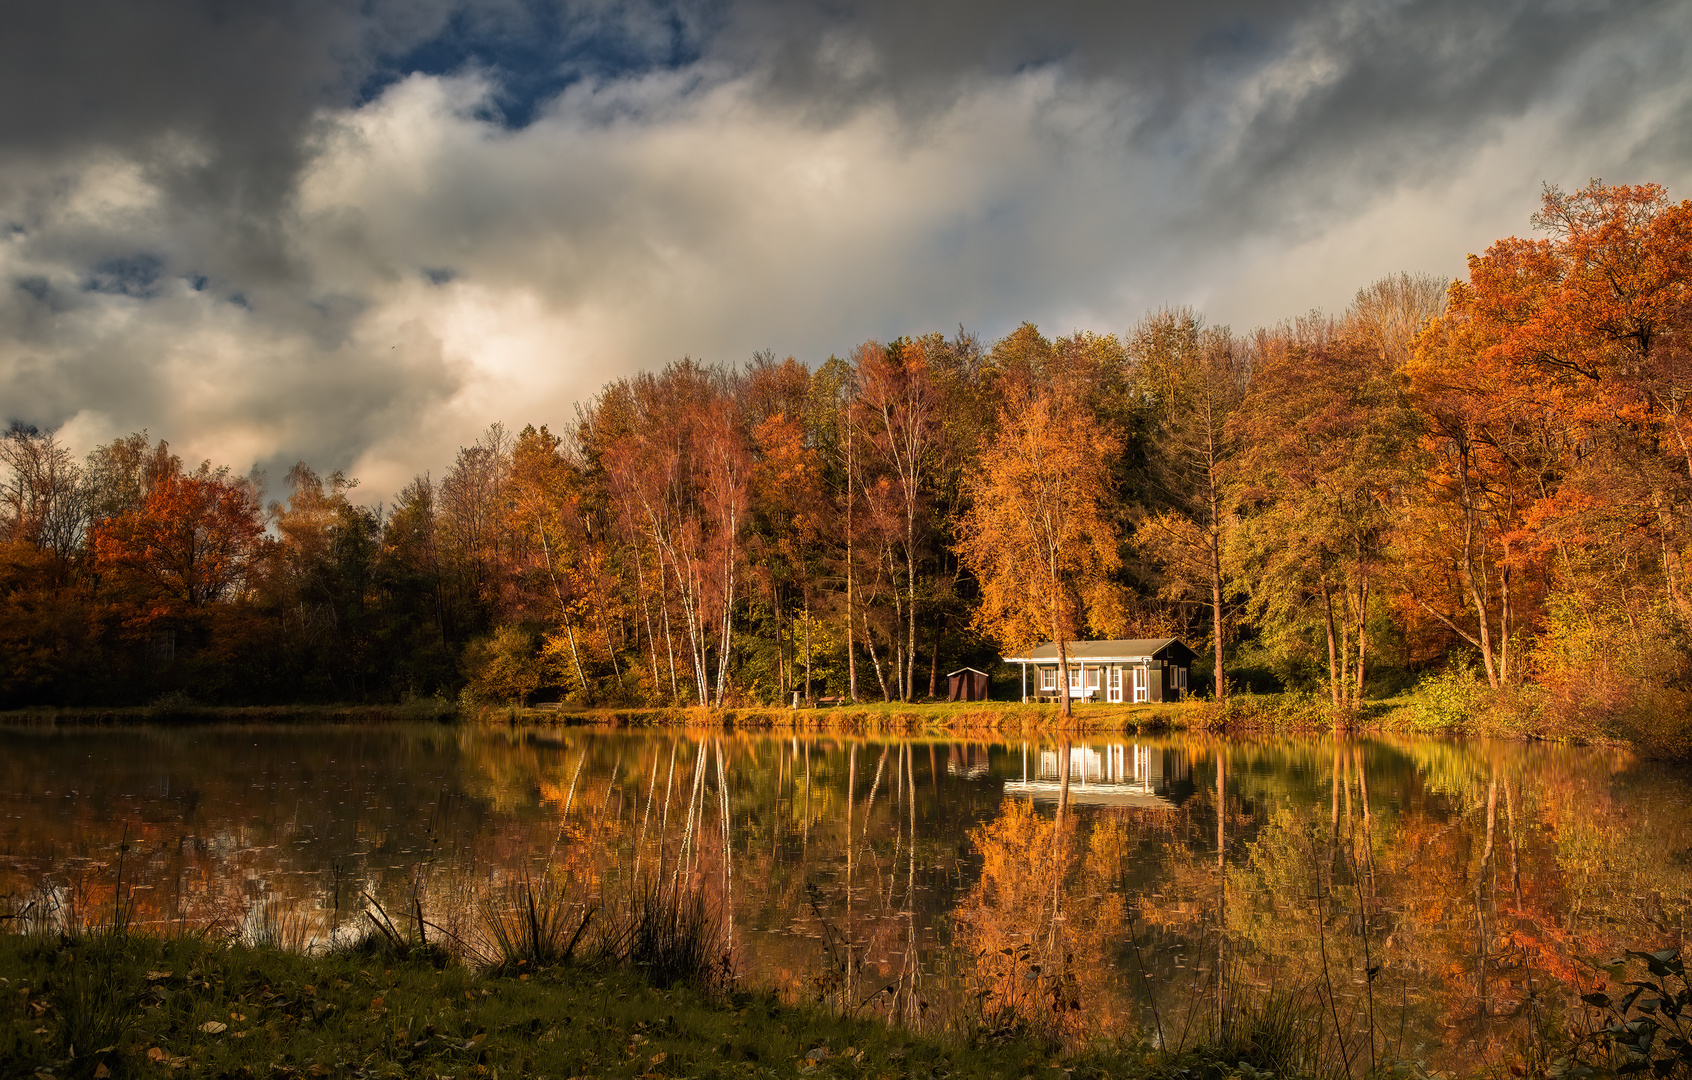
{"type": "Point", "coordinates": [1453, 888]}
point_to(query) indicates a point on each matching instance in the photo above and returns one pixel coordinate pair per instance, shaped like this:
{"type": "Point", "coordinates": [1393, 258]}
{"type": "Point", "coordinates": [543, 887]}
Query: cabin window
{"type": "Point", "coordinates": [1180, 678]}
{"type": "Point", "coordinates": [1092, 678]}
{"type": "Point", "coordinates": [1048, 678]}
{"type": "Point", "coordinates": [1075, 678]}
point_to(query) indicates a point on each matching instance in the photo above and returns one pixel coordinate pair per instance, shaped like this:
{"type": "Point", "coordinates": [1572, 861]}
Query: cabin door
{"type": "Point", "coordinates": [1142, 684]}
{"type": "Point", "coordinates": [1114, 690]}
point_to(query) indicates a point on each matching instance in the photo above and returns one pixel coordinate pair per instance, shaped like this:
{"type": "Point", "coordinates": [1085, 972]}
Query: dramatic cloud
{"type": "Point", "coordinates": [356, 233]}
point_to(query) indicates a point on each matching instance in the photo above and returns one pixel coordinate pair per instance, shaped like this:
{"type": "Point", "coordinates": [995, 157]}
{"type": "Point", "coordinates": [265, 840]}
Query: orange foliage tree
{"type": "Point", "coordinates": [1563, 363]}
{"type": "Point", "coordinates": [1038, 534]}
{"type": "Point", "coordinates": [193, 539]}
{"type": "Point", "coordinates": [1324, 433]}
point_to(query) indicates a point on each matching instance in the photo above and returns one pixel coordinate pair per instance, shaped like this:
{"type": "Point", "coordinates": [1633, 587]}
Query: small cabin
{"type": "Point", "coordinates": [966, 684]}
{"type": "Point", "coordinates": [1145, 669]}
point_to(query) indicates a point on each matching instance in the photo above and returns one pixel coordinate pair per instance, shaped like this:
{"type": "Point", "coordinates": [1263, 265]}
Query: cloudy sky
{"type": "Point", "coordinates": [356, 231]}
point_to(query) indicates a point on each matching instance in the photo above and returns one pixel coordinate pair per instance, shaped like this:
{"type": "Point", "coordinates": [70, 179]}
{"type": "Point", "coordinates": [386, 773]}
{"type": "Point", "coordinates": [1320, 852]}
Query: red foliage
{"type": "Point", "coordinates": [190, 542]}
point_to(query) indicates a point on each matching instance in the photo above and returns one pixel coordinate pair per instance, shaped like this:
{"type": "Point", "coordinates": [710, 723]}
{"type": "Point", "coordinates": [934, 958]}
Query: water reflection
{"type": "Point", "coordinates": [1438, 898]}
{"type": "Point", "coordinates": [1109, 774]}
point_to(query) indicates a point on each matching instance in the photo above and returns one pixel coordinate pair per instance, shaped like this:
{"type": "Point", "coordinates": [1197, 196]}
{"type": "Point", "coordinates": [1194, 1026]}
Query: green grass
{"type": "Point", "coordinates": [123, 1005]}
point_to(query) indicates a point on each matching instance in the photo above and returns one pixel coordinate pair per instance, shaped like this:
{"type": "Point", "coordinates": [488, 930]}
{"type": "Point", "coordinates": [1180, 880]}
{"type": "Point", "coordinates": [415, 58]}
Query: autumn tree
{"type": "Point", "coordinates": [678, 468]}
{"type": "Point", "coordinates": [408, 579]}
{"type": "Point", "coordinates": [1190, 379]}
{"type": "Point", "coordinates": [1580, 341]}
{"type": "Point", "coordinates": [193, 540]}
{"type": "Point", "coordinates": [471, 521]}
{"type": "Point", "coordinates": [559, 566]}
{"type": "Point", "coordinates": [41, 492]}
{"type": "Point", "coordinates": [1038, 536]}
{"type": "Point", "coordinates": [1486, 457]}
{"type": "Point", "coordinates": [790, 510]}
{"type": "Point", "coordinates": [320, 574]}
{"type": "Point", "coordinates": [898, 409]}
{"type": "Point", "coordinates": [1323, 430]}
{"type": "Point", "coordinates": [119, 475]}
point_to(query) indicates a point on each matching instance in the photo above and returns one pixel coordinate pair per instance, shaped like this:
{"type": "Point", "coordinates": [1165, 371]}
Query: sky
{"type": "Point", "coordinates": [355, 232]}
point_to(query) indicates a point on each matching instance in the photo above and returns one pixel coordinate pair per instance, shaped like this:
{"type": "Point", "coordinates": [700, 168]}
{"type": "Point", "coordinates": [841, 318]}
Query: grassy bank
{"type": "Point", "coordinates": [977, 718]}
{"type": "Point", "coordinates": [115, 1006]}
{"type": "Point", "coordinates": [1438, 707]}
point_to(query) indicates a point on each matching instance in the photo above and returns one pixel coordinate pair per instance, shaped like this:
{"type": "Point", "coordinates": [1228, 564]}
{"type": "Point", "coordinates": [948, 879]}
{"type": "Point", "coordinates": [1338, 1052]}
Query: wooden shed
{"type": "Point", "coordinates": [967, 684]}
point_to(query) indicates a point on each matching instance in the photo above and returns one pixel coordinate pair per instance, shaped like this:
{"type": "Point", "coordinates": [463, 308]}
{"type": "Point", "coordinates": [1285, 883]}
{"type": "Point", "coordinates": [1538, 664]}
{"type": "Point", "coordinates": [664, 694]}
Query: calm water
{"type": "Point", "coordinates": [935, 879]}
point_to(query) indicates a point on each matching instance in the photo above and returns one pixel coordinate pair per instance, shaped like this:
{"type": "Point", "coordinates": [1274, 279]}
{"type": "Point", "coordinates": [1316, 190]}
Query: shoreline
{"type": "Point", "coordinates": [1243, 714]}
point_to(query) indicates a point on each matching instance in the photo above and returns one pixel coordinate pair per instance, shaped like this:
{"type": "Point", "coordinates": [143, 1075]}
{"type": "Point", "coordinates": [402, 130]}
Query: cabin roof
{"type": "Point", "coordinates": [1118, 649]}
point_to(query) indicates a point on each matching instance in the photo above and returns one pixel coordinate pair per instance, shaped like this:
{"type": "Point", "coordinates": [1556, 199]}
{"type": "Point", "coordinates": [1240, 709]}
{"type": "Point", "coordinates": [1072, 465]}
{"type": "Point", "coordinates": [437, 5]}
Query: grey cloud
{"type": "Point", "coordinates": [242, 222]}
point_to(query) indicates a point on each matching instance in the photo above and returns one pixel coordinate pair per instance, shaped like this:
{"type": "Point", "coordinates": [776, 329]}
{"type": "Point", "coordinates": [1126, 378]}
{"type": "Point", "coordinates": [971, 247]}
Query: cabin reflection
{"type": "Point", "coordinates": [1109, 774]}
{"type": "Point", "coordinates": [969, 761]}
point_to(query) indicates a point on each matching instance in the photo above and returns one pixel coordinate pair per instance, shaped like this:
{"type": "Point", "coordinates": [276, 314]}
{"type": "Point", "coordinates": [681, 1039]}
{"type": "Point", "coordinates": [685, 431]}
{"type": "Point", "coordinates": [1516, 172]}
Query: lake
{"type": "Point", "coordinates": [1440, 900]}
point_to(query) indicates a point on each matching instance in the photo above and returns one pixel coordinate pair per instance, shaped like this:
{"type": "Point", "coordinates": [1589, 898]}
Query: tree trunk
{"type": "Point", "coordinates": [646, 611]}
{"type": "Point", "coordinates": [851, 649]}
{"type": "Point", "coordinates": [910, 586]}
{"type": "Point", "coordinates": [934, 657]}
{"type": "Point", "coordinates": [1063, 675]}
{"type": "Point", "coordinates": [1469, 575]}
{"type": "Point", "coordinates": [1216, 617]}
{"type": "Point", "coordinates": [1333, 650]}
{"type": "Point", "coordinates": [1362, 630]}
{"type": "Point", "coordinates": [875, 661]}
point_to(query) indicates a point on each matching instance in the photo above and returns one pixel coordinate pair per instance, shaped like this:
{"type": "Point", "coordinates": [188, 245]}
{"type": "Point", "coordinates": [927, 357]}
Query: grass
{"type": "Point", "coordinates": [190, 1007]}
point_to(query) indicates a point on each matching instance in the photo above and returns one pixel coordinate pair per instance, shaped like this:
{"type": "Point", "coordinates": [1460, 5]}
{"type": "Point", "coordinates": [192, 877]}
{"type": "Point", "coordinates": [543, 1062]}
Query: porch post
{"type": "Point", "coordinates": [1024, 682]}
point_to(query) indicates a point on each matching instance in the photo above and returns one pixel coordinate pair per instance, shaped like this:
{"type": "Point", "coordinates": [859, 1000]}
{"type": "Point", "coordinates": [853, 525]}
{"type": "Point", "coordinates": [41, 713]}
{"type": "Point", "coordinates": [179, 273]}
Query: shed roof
{"type": "Point", "coordinates": [1119, 649]}
{"type": "Point", "coordinates": [961, 670]}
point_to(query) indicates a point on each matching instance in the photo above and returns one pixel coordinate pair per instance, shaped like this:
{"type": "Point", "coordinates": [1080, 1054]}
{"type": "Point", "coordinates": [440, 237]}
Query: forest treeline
{"type": "Point", "coordinates": [1486, 481]}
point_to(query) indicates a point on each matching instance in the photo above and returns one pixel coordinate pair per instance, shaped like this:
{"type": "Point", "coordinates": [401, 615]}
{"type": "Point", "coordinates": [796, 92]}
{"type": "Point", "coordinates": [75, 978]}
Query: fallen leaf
{"type": "Point", "coordinates": [660, 1057]}
{"type": "Point", "coordinates": [154, 1053]}
{"type": "Point", "coordinates": [101, 1071]}
{"type": "Point", "coordinates": [214, 1027]}
{"type": "Point", "coordinates": [159, 976]}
